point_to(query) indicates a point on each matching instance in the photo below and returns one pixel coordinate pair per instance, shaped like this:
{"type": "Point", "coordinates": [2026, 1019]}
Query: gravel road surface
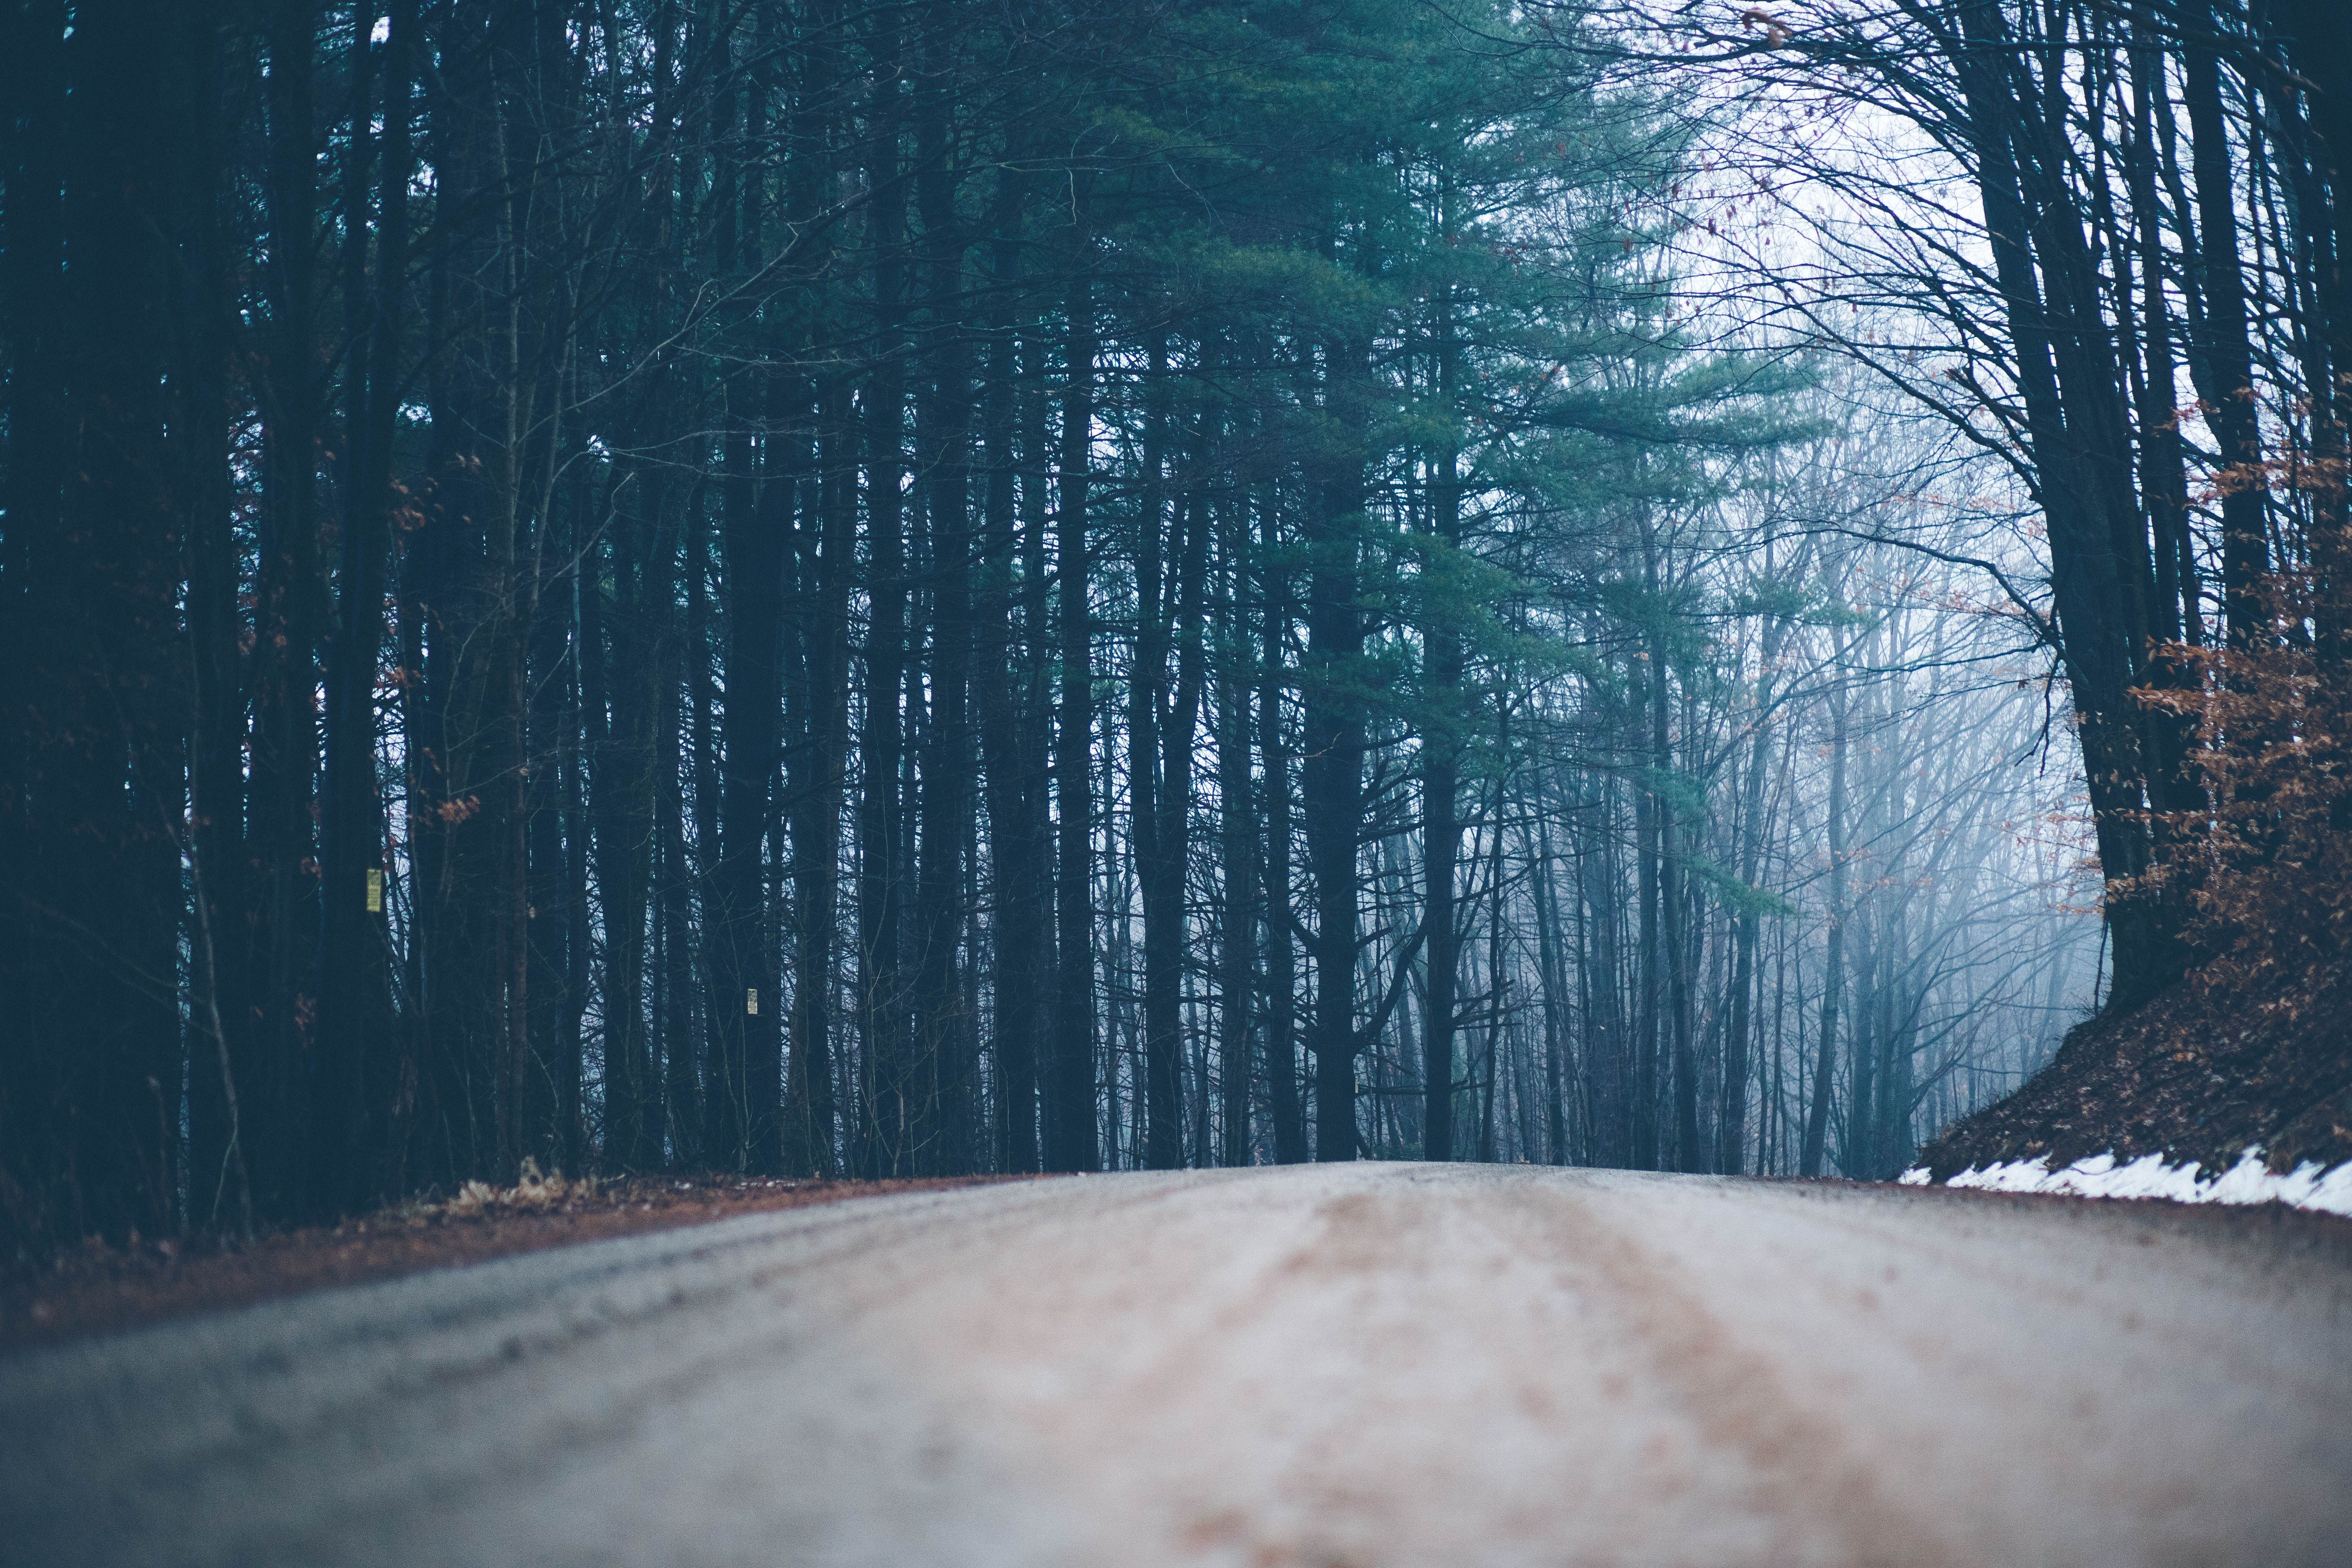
{"type": "Point", "coordinates": [1361, 1364]}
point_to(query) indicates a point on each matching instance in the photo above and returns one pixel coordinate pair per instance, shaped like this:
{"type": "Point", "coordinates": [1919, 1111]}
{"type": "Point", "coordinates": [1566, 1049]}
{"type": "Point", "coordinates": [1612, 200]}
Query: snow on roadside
{"type": "Point", "coordinates": [2307, 1186]}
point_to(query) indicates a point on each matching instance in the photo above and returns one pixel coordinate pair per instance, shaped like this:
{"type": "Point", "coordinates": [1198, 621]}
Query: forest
{"type": "Point", "coordinates": [945, 587]}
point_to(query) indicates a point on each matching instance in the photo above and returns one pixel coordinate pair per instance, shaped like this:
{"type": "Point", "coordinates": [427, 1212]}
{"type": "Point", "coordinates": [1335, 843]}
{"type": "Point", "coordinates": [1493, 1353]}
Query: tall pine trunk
{"type": "Point", "coordinates": [881, 1111]}
{"type": "Point", "coordinates": [351, 1091]}
{"type": "Point", "coordinates": [1441, 767]}
{"type": "Point", "coordinates": [1070, 1139]}
{"type": "Point", "coordinates": [944, 1084]}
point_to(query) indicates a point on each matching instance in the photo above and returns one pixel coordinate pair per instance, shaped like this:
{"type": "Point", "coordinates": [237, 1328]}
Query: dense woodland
{"type": "Point", "coordinates": [967, 585]}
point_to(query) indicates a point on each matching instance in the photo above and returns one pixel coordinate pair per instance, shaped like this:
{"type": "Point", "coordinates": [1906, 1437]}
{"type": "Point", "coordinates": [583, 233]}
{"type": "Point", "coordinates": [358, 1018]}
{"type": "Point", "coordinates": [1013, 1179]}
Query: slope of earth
{"type": "Point", "coordinates": [97, 1289]}
{"type": "Point", "coordinates": [2196, 1079]}
{"type": "Point", "coordinates": [1359, 1364]}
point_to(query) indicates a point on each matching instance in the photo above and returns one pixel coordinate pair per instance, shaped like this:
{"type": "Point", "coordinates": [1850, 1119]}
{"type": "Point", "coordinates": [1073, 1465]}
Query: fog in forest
{"type": "Point", "coordinates": [1000, 586]}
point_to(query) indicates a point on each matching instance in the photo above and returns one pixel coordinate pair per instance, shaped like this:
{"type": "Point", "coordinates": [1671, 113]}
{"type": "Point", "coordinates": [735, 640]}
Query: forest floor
{"type": "Point", "coordinates": [2191, 1077]}
{"type": "Point", "coordinates": [1306, 1367]}
{"type": "Point", "coordinates": [97, 1287]}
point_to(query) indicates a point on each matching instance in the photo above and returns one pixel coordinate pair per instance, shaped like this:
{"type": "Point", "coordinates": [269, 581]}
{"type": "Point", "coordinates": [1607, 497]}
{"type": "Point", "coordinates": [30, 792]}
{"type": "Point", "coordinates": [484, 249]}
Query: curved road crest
{"type": "Point", "coordinates": [1360, 1364]}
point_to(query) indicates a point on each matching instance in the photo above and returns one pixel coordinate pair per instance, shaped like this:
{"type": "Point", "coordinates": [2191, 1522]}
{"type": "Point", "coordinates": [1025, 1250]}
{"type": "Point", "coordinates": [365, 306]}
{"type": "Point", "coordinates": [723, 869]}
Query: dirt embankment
{"type": "Point", "coordinates": [2191, 1077]}
{"type": "Point", "coordinates": [99, 1288]}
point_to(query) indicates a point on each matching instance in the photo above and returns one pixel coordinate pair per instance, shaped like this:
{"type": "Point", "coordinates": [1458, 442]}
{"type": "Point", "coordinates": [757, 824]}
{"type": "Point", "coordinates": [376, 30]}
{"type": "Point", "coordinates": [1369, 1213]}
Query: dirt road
{"type": "Point", "coordinates": [1368, 1364]}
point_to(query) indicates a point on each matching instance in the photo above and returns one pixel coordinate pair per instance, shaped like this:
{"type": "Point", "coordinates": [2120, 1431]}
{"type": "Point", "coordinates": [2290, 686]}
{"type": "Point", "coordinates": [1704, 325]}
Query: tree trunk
{"type": "Point", "coordinates": [1281, 974]}
{"type": "Point", "coordinates": [1159, 873]}
{"type": "Point", "coordinates": [1731, 1121]}
{"type": "Point", "coordinates": [1070, 1090]}
{"type": "Point", "coordinates": [1817, 1117]}
{"type": "Point", "coordinates": [1237, 848]}
{"type": "Point", "coordinates": [880, 898]}
{"type": "Point", "coordinates": [2225, 386]}
{"type": "Point", "coordinates": [350, 1096]}
{"type": "Point", "coordinates": [1331, 793]}
{"type": "Point", "coordinates": [2071, 391]}
{"type": "Point", "coordinates": [944, 1086]}
{"type": "Point", "coordinates": [1441, 747]}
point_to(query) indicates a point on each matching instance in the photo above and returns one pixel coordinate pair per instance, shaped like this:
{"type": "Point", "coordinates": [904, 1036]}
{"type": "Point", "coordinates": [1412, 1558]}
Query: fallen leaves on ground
{"type": "Point", "coordinates": [97, 1289]}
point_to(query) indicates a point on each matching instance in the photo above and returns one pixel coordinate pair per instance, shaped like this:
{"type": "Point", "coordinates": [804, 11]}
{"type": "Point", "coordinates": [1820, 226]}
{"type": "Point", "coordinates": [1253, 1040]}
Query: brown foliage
{"type": "Point", "coordinates": [2264, 868]}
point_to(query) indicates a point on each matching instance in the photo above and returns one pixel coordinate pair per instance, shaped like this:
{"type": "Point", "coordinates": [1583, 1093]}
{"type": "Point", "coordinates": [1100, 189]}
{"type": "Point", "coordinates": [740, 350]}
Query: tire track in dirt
{"type": "Point", "coordinates": [1807, 1474]}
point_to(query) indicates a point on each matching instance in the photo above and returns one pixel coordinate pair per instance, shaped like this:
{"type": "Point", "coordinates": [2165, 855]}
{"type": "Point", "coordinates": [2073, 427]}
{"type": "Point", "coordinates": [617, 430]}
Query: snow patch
{"type": "Point", "coordinates": [2307, 1186]}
